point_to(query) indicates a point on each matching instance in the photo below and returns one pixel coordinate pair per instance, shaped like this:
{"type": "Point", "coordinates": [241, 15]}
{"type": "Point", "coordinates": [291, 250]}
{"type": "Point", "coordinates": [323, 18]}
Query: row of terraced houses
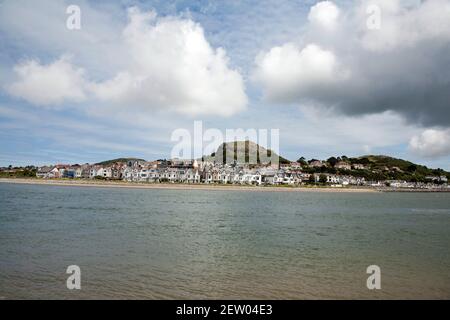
{"type": "Point", "coordinates": [192, 171]}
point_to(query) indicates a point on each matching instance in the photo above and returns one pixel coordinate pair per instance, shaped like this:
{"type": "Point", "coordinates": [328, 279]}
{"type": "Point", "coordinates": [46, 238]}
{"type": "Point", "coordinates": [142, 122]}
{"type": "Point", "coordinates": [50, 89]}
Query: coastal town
{"type": "Point", "coordinates": [334, 172]}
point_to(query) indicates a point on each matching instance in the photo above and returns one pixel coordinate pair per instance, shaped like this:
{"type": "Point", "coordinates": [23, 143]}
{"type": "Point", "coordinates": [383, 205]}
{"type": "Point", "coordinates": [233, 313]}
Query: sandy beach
{"type": "Point", "coordinates": [174, 186]}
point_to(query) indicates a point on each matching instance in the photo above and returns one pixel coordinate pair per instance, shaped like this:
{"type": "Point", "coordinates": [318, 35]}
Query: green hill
{"type": "Point", "coordinates": [381, 167]}
{"type": "Point", "coordinates": [394, 168]}
{"type": "Point", "coordinates": [122, 160]}
{"type": "Point", "coordinates": [250, 150]}
{"type": "Point", "coordinates": [381, 162]}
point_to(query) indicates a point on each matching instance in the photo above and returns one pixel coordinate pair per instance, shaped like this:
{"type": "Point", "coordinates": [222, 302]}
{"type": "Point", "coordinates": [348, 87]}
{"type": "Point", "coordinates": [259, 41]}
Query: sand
{"type": "Point", "coordinates": [178, 186]}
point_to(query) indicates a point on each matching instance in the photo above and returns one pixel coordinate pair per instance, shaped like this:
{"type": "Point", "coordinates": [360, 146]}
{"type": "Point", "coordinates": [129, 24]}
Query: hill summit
{"type": "Point", "coordinates": [246, 151]}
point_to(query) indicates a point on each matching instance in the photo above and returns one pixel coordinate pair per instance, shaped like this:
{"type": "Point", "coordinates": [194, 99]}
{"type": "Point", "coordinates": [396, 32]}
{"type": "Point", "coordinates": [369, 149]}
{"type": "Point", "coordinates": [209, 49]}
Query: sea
{"type": "Point", "coordinates": [219, 244]}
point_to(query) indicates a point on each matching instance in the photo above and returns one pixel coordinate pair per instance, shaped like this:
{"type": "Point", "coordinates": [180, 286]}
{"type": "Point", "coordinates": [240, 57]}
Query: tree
{"type": "Point", "coordinates": [302, 161]}
{"type": "Point", "coordinates": [332, 161]}
{"type": "Point", "coordinates": [312, 179]}
{"type": "Point", "coordinates": [323, 178]}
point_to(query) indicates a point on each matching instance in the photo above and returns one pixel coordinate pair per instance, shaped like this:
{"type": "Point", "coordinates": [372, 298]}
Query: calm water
{"type": "Point", "coordinates": [164, 244]}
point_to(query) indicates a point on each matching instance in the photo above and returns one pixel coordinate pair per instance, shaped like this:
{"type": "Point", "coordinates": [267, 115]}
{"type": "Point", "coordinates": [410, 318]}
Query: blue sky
{"type": "Point", "coordinates": [138, 70]}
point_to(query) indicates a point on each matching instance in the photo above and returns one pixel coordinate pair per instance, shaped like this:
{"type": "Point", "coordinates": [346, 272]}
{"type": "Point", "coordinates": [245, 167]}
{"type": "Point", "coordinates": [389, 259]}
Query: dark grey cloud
{"type": "Point", "coordinates": [404, 66]}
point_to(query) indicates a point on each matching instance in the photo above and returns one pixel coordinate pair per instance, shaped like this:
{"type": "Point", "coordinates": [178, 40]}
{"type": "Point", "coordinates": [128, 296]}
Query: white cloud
{"type": "Point", "coordinates": [431, 143]}
{"type": "Point", "coordinates": [402, 67]}
{"type": "Point", "coordinates": [403, 28]}
{"type": "Point", "coordinates": [324, 14]}
{"type": "Point", "coordinates": [48, 85]}
{"type": "Point", "coordinates": [170, 66]}
{"type": "Point", "coordinates": [287, 73]}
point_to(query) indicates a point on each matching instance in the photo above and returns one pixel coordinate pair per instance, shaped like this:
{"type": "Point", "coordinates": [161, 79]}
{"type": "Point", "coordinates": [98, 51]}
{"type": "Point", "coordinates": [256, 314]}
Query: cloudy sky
{"type": "Point", "coordinates": [335, 77]}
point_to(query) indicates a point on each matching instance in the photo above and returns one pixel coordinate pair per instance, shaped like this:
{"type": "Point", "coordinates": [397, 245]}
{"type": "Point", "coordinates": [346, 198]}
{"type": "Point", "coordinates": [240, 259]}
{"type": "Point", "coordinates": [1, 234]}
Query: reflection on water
{"type": "Point", "coordinates": [164, 244]}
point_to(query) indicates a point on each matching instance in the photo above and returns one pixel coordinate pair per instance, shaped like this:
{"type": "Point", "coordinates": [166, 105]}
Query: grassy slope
{"type": "Point", "coordinates": [124, 160]}
{"type": "Point", "coordinates": [239, 147]}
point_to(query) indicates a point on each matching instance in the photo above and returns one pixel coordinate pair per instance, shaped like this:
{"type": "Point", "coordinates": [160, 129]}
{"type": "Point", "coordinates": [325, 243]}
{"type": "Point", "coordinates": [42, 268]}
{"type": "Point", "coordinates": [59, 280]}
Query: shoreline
{"type": "Point", "coordinates": [180, 186]}
{"type": "Point", "coordinates": [208, 187]}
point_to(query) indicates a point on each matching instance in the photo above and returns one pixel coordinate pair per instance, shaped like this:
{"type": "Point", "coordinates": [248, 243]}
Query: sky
{"type": "Point", "coordinates": [335, 77]}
